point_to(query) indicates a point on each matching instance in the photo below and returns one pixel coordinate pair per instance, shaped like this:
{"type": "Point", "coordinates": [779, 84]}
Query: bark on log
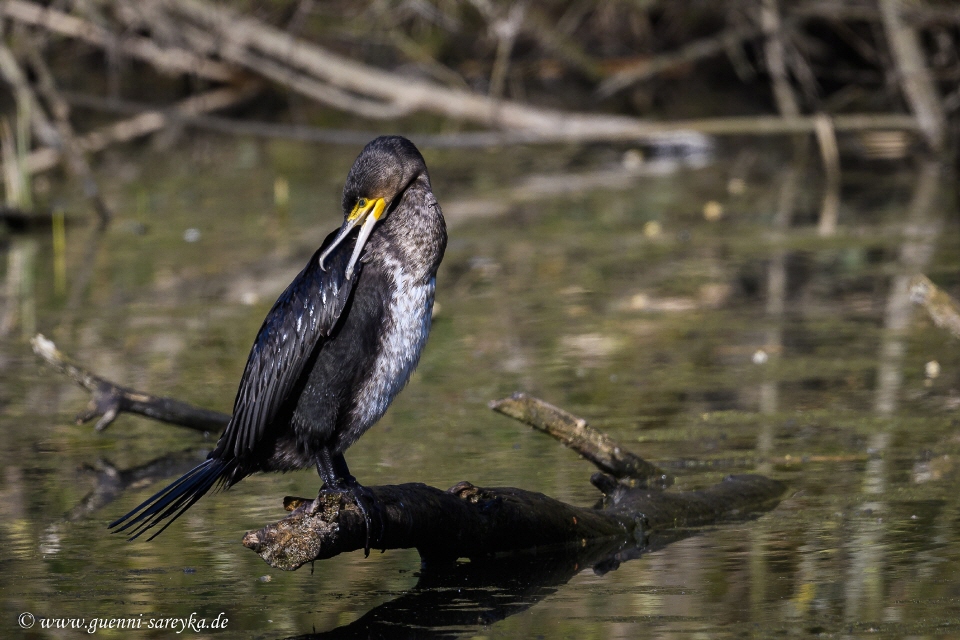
{"type": "Point", "coordinates": [471, 522]}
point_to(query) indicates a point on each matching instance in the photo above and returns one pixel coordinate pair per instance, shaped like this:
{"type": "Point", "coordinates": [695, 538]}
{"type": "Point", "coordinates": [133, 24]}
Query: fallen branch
{"type": "Point", "coordinates": [236, 34]}
{"type": "Point", "coordinates": [759, 126]}
{"type": "Point", "coordinates": [574, 432]}
{"type": "Point", "coordinates": [776, 59]}
{"type": "Point", "coordinates": [704, 48]}
{"type": "Point", "coordinates": [108, 400]}
{"type": "Point", "coordinates": [216, 34]}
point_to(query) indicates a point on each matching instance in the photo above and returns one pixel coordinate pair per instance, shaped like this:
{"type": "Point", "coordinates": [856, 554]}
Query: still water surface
{"type": "Point", "coordinates": [694, 313]}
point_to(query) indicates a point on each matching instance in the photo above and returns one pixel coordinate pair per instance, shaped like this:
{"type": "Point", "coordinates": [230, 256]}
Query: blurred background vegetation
{"type": "Point", "coordinates": [884, 71]}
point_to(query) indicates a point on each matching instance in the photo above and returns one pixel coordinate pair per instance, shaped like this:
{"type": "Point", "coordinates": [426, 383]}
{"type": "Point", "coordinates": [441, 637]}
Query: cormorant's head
{"type": "Point", "coordinates": [381, 173]}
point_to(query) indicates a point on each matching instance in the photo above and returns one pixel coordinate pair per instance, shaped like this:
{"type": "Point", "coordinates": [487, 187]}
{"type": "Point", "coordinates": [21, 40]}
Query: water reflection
{"type": "Point", "coordinates": [452, 600]}
{"type": "Point", "coordinates": [919, 230]}
{"type": "Point", "coordinates": [559, 292]}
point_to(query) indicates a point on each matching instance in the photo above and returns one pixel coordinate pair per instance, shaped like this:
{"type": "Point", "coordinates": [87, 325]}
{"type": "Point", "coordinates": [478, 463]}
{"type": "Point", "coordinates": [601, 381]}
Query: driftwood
{"type": "Point", "coordinates": [464, 521]}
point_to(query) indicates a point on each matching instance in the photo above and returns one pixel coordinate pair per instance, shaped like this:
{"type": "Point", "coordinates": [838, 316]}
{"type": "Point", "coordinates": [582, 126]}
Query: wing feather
{"type": "Point", "coordinates": [298, 323]}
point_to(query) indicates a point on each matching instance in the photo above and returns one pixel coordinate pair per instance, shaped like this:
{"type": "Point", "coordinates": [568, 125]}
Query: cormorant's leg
{"type": "Point", "coordinates": [333, 470]}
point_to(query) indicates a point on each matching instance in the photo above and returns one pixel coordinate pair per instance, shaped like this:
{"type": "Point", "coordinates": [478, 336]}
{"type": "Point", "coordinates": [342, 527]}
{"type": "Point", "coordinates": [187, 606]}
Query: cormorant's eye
{"type": "Point", "coordinates": [362, 202]}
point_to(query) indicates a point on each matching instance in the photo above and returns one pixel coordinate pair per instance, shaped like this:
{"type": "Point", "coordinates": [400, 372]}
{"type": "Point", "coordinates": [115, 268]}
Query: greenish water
{"type": "Point", "coordinates": [708, 340]}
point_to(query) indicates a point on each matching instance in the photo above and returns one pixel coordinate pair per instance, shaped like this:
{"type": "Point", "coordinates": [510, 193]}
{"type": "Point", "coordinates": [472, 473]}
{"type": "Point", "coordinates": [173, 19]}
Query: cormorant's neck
{"type": "Point", "coordinates": [414, 232]}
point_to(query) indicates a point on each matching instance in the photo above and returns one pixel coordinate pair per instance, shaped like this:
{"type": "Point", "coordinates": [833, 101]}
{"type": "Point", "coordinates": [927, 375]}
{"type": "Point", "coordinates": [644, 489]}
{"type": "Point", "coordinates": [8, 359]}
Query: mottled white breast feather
{"type": "Point", "coordinates": [411, 298]}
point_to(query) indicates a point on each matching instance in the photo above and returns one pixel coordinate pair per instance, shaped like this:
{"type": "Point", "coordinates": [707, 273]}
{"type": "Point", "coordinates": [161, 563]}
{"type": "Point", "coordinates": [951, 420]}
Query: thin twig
{"type": "Point", "coordinates": [776, 59]}
{"type": "Point", "coordinates": [26, 100]}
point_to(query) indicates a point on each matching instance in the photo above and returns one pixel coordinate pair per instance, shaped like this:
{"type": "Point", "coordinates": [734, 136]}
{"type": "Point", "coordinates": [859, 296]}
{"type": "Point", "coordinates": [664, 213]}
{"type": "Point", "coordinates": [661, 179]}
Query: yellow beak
{"type": "Point", "coordinates": [367, 216]}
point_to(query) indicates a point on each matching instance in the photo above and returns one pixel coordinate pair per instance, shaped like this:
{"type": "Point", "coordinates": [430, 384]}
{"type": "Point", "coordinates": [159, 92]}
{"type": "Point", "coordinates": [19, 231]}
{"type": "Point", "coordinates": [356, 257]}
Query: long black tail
{"type": "Point", "coordinates": [173, 500]}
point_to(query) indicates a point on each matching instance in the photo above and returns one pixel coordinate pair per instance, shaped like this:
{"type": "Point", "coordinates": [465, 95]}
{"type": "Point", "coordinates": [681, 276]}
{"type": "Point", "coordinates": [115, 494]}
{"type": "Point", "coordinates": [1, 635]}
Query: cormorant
{"type": "Point", "coordinates": [337, 346]}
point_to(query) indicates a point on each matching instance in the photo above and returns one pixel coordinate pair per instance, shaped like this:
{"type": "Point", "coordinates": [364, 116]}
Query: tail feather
{"type": "Point", "coordinates": [171, 501]}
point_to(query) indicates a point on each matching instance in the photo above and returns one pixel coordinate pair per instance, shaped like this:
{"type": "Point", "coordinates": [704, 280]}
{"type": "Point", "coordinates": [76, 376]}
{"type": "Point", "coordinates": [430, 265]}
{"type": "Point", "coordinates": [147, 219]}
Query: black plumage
{"type": "Point", "coordinates": [338, 344]}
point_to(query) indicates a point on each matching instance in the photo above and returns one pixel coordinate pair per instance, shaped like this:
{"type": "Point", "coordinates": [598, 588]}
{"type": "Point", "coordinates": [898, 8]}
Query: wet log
{"type": "Point", "coordinates": [472, 522]}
